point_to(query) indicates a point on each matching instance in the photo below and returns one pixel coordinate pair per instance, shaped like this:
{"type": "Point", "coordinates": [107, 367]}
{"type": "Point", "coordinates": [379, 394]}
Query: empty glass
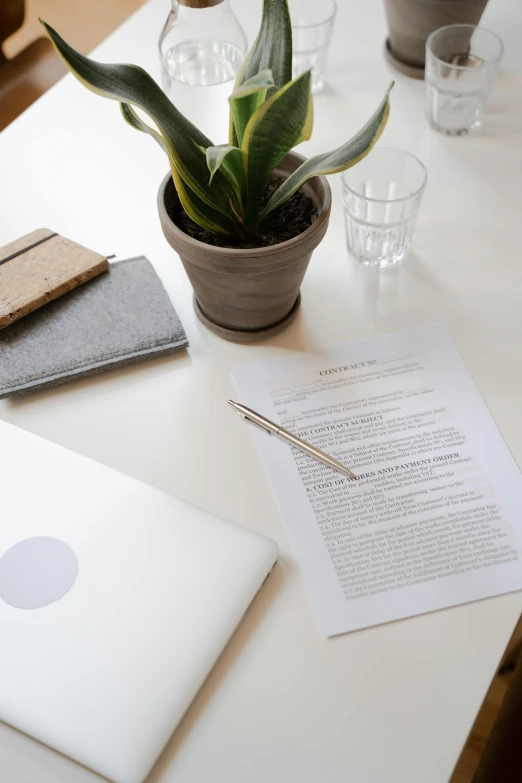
{"type": "Point", "coordinates": [382, 197]}
{"type": "Point", "coordinates": [461, 64]}
{"type": "Point", "coordinates": [312, 27]}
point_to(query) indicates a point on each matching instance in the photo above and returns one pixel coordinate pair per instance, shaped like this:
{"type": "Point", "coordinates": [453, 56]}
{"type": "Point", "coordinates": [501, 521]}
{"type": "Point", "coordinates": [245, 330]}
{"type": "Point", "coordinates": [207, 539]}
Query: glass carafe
{"type": "Point", "coordinates": [202, 47]}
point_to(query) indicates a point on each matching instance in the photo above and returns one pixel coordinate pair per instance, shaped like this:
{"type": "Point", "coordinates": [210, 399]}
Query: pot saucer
{"type": "Point", "coordinates": [414, 71]}
{"type": "Point", "coordinates": [240, 336]}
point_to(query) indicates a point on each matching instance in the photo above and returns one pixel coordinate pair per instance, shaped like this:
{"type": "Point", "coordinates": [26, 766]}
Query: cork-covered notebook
{"type": "Point", "coordinates": [120, 317]}
{"type": "Point", "coordinates": [40, 267]}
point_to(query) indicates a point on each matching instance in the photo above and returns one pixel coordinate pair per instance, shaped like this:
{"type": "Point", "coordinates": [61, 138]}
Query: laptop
{"type": "Point", "coordinates": [115, 602]}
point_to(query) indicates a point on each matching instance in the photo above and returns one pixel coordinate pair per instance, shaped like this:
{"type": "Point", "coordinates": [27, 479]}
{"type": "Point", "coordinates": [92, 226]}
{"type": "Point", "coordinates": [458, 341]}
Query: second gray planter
{"type": "Point", "coordinates": [411, 22]}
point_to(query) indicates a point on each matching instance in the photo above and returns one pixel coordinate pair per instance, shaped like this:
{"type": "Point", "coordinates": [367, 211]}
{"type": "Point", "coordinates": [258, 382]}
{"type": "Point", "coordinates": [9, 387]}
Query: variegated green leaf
{"type": "Point", "coordinates": [338, 160]}
{"type": "Point", "coordinates": [245, 101]}
{"type": "Point", "coordinates": [230, 161]}
{"type": "Point", "coordinates": [195, 208]}
{"type": "Point", "coordinates": [199, 210]}
{"type": "Point", "coordinates": [308, 126]}
{"type": "Point", "coordinates": [270, 134]}
{"type": "Point", "coordinates": [272, 50]}
{"type": "Point", "coordinates": [135, 121]}
{"type": "Point", "coordinates": [132, 85]}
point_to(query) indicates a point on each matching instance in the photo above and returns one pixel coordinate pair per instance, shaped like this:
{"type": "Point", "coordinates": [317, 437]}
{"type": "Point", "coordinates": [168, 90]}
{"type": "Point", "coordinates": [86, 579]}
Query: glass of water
{"type": "Point", "coordinates": [382, 196]}
{"type": "Point", "coordinates": [461, 65]}
{"type": "Point", "coordinates": [312, 27]}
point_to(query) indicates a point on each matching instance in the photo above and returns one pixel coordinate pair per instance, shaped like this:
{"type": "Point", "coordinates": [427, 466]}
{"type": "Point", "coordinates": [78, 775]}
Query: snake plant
{"type": "Point", "coordinates": [221, 187]}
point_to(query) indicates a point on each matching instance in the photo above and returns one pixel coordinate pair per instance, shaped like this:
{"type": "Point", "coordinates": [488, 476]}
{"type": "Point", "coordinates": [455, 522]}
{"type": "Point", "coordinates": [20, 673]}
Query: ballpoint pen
{"type": "Point", "coordinates": [292, 440]}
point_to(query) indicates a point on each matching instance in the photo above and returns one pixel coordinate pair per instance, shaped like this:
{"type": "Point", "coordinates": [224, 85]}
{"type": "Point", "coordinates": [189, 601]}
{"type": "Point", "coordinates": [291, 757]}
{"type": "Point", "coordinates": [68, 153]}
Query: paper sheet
{"type": "Point", "coordinates": [434, 517]}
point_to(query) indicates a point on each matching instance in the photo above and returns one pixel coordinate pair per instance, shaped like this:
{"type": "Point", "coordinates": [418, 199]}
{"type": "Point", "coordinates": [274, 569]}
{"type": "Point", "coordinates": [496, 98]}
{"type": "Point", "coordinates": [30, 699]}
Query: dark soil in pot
{"type": "Point", "coordinates": [290, 220]}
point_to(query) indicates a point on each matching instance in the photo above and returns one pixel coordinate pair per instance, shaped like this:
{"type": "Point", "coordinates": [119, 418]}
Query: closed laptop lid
{"type": "Point", "coordinates": [115, 602]}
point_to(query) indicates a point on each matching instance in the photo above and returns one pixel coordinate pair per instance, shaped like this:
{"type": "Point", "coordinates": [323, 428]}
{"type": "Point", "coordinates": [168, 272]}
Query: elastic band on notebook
{"type": "Point", "coordinates": [25, 249]}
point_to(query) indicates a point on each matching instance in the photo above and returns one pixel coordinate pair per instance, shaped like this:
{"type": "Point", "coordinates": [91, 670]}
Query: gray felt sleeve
{"type": "Point", "coordinates": [120, 317]}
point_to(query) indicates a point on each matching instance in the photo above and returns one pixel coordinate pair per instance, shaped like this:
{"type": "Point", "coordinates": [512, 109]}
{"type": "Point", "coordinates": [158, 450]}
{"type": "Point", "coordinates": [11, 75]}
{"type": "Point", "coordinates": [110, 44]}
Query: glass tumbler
{"type": "Point", "coordinates": [382, 196]}
{"type": "Point", "coordinates": [312, 27]}
{"type": "Point", "coordinates": [461, 65]}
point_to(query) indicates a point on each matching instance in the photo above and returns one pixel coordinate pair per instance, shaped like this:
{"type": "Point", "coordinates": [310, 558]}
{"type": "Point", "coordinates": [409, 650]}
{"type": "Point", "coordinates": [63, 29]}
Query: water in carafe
{"type": "Point", "coordinates": [202, 49]}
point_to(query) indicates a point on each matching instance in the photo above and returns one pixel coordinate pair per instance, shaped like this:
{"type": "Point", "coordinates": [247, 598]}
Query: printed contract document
{"type": "Point", "coordinates": [434, 516]}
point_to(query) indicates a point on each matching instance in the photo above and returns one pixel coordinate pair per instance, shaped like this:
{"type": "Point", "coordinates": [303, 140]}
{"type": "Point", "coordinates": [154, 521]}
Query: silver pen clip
{"type": "Point", "coordinates": [251, 421]}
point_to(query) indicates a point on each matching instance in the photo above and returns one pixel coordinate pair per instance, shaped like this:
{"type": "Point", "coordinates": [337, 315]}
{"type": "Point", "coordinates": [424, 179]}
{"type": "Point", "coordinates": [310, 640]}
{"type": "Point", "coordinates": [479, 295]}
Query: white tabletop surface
{"type": "Point", "coordinates": [392, 704]}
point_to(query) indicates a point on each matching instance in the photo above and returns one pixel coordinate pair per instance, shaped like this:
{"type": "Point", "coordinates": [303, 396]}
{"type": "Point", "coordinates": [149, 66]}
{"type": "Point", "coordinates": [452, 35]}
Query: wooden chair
{"type": "Point", "coordinates": [28, 75]}
{"type": "Point", "coordinates": [501, 761]}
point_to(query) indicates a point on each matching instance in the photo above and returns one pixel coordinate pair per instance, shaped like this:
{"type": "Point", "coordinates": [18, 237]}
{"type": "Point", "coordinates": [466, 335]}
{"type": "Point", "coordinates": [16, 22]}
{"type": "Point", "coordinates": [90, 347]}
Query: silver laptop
{"type": "Point", "coordinates": [115, 602]}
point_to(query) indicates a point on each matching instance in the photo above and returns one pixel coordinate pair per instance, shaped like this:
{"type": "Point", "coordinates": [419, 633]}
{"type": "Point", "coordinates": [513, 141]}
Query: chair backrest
{"type": "Point", "coordinates": [501, 761]}
{"type": "Point", "coordinates": [12, 14]}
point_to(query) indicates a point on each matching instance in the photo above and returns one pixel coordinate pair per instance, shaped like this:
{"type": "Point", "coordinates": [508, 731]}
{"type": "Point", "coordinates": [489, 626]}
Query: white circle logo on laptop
{"type": "Point", "coordinates": [37, 572]}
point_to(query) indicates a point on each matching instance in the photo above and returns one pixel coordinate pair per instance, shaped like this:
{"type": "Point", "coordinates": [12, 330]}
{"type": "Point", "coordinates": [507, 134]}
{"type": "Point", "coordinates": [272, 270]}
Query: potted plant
{"type": "Point", "coordinates": [244, 217]}
{"type": "Point", "coordinates": [411, 22]}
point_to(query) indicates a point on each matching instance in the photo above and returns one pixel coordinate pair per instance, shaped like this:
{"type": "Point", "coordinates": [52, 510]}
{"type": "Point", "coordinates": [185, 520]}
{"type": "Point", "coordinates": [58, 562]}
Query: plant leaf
{"type": "Point", "coordinates": [246, 99]}
{"type": "Point", "coordinates": [272, 50]}
{"type": "Point", "coordinates": [132, 85]}
{"type": "Point", "coordinates": [309, 121]}
{"type": "Point", "coordinates": [195, 208]}
{"type": "Point", "coordinates": [230, 161]}
{"type": "Point", "coordinates": [135, 121]}
{"type": "Point", "coordinates": [271, 133]}
{"type": "Point", "coordinates": [199, 210]}
{"type": "Point", "coordinates": [257, 82]}
{"type": "Point", "coordinates": [338, 160]}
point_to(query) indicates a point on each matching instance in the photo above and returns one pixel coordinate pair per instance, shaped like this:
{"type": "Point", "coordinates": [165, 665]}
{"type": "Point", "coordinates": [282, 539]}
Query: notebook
{"type": "Point", "coordinates": [123, 316]}
{"type": "Point", "coordinates": [40, 267]}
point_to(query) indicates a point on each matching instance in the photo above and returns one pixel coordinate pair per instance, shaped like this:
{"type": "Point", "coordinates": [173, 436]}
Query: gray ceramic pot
{"type": "Point", "coordinates": [246, 294]}
{"type": "Point", "coordinates": [411, 22]}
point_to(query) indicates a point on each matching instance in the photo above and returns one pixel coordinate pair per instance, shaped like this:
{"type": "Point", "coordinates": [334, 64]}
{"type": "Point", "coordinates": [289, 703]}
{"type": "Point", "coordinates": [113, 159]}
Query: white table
{"type": "Point", "coordinates": [392, 704]}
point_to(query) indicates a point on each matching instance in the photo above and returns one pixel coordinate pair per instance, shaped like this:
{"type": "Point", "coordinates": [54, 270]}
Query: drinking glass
{"type": "Point", "coordinates": [312, 27]}
{"type": "Point", "coordinates": [461, 64]}
{"type": "Point", "coordinates": [382, 197]}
